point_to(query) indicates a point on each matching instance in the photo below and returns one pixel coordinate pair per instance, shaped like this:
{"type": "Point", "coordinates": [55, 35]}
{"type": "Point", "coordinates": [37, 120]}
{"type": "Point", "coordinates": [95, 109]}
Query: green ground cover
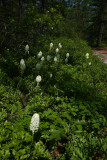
{"type": "Point", "coordinates": [70, 99]}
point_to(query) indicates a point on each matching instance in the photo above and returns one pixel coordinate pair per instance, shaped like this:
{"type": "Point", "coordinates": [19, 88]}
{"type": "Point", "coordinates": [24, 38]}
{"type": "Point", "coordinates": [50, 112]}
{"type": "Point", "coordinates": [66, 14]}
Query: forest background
{"type": "Point", "coordinates": [84, 18]}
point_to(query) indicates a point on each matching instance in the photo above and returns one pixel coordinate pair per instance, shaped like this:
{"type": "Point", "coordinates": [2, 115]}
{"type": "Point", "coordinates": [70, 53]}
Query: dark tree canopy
{"type": "Point", "coordinates": [87, 18]}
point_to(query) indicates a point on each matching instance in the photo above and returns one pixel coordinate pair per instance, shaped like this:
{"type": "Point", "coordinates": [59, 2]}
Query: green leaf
{"type": "Point", "coordinates": [79, 127]}
{"type": "Point", "coordinates": [55, 134]}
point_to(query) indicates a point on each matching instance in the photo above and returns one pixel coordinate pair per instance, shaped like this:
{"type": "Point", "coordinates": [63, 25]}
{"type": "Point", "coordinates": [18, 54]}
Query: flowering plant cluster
{"type": "Point", "coordinates": [87, 57]}
{"type": "Point", "coordinates": [45, 61]}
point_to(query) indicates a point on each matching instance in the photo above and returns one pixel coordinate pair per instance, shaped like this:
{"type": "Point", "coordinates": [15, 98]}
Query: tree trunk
{"type": "Point", "coordinates": [102, 18]}
{"type": "Point", "coordinates": [100, 33]}
{"type": "Point", "coordinates": [20, 9]}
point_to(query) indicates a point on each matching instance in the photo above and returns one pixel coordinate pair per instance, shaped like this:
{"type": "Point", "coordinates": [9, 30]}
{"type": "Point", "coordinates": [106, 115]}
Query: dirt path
{"type": "Point", "coordinates": [102, 51]}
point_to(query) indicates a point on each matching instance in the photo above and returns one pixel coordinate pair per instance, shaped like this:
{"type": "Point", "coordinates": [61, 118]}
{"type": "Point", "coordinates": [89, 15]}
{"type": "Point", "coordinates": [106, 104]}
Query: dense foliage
{"type": "Point", "coordinates": [52, 78]}
{"type": "Point", "coordinates": [35, 19]}
{"type": "Point", "coordinates": [71, 104]}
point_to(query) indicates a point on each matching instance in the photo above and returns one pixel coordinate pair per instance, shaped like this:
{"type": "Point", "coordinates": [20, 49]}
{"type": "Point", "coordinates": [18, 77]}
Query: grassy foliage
{"type": "Point", "coordinates": [71, 104]}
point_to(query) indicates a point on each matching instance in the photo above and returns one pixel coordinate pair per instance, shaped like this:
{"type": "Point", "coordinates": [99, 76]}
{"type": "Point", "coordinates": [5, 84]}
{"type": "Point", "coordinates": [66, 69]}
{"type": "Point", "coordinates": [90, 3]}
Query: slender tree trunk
{"type": "Point", "coordinates": [103, 9]}
{"type": "Point", "coordinates": [100, 34]}
{"type": "Point", "coordinates": [83, 20]}
{"type": "Point", "coordinates": [101, 29]}
{"type": "Point", "coordinates": [20, 9]}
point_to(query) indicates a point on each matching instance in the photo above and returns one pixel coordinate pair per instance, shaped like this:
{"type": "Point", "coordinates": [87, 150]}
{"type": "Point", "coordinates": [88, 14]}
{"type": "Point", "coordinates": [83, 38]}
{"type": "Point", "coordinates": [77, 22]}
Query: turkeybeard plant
{"type": "Point", "coordinates": [22, 65]}
{"type": "Point", "coordinates": [89, 63]}
{"type": "Point", "coordinates": [39, 54]}
{"type": "Point", "coordinates": [48, 58]}
{"type": "Point", "coordinates": [34, 124]}
{"type": "Point", "coordinates": [55, 59]}
{"type": "Point", "coordinates": [67, 55]}
{"type": "Point", "coordinates": [38, 79]}
{"type": "Point", "coordinates": [87, 55]}
{"type": "Point", "coordinates": [66, 60]}
{"type": "Point", "coordinates": [60, 45]}
{"type": "Point", "coordinates": [27, 49]}
{"type": "Point", "coordinates": [57, 50]}
{"type": "Point", "coordinates": [42, 58]}
{"type": "Point", "coordinates": [51, 45]}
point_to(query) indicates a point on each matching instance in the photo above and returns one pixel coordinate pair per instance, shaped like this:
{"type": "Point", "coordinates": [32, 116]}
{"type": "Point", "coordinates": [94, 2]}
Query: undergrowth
{"type": "Point", "coordinates": [70, 99]}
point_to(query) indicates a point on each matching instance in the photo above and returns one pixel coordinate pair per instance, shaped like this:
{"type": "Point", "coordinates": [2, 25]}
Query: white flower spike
{"type": "Point", "coordinates": [48, 57]}
{"type": "Point", "coordinates": [55, 59]}
{"type": "Point", "coordinates": [51, 75]}
{"type": "Point", "coordinates": [89, 63]}
{"type": "Point", "coordinates": [27, 48]}
{"type": "Point", "coordinates": [22, 65]}
{"type": "Point", "coordinates": [34, 124]}
{"type": "Point", "coordinates": [67, 55]}
{"type": "Point", "coordinates": [42, 58]}
{"type": "Point", "coordinates": [51, 45]}
{"type": "Point", "coordinates": [39, 54]}
{"type": "Point", "coordinates": [57, 50]}
{"type": "Point", "coordinates": [66, 60]}
{"type": "Point", "coordinates": [87, 55]}
{"type": "Point", "coordinates": [60, 45]}
{"type": "Point", "coordinates": [38, 79]}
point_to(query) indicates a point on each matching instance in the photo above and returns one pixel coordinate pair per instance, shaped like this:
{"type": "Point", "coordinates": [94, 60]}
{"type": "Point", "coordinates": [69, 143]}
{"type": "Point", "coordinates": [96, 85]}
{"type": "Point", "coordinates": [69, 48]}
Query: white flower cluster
{"type": "Point", "coordinates": [27, 49]}
{"type": "Point", "coordinates": [60, 45]}
{"type": "Point", "coordinates": [34, 124]}
{"type": "Point", "coordinates": [38, 79]}
{"type": "Point", "coordinates": [66, 60]}
{"type": "Point", "coordinates": [51, 75]}
{"type": "Point", "coordinates": [39, 54]}
{"type": "Point", "coordinates": [57, 50]}
{"type": "Point", "coordinates": [48, 58]}
{"type": "Point", "coordinates": [22, 65]}
{"type": "Point", "coordinates": [87, 55]}
{"type": "Point", "coordinates": [55, 59]}
{"type": "Point", "coordinates": [51, 45]}
{"type": "Point", "coordinates": [42, 58]}
{"type": "Point", "coordinates": [89, 63]}
{"type": "Point", "coordinates": [67, 56]}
